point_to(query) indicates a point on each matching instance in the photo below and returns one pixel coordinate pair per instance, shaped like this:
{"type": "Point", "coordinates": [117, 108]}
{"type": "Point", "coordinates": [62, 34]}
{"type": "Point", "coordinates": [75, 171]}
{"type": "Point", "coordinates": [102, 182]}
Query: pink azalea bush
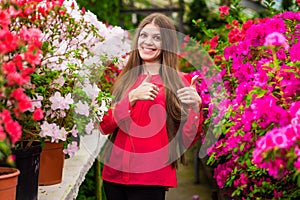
{"type": "Point", "coordinates": [257, 154]}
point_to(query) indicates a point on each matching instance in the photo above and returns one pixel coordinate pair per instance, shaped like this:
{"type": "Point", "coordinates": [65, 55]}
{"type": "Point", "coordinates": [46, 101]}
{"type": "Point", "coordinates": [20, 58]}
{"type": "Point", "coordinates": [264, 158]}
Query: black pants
{"type": "Point", "coordinates": [116, 191]}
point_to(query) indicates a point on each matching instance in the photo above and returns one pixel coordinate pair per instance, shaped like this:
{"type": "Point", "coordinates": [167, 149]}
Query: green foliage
{"type": "Point", "coordinates": [107, 11]}
{"type": "Point", "coordinates": [199, 10]}
{"type": "Point", "coordinates": [87, 190]}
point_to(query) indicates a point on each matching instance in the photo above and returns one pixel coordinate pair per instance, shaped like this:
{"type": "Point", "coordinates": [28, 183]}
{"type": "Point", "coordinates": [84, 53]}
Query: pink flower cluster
{"type": "Point", "coordinates": [20, 53]}
{"type": "Point", "coordinates": [280, 141]}
{"type": "Point", "coordinates": [260, 131]}
{"type": "Point", "coordinates": [16, 68]}
{"type": "Point", "coordinates": [224, 10]}
{"type": "Point", "coordinates": [10, 126]}
{"type": "Point", "coordinates": [72, 148]}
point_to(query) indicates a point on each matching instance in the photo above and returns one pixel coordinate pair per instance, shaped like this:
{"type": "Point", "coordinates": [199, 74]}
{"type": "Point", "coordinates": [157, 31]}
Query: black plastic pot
{"type": "Point", "coordinates": [28, 162]}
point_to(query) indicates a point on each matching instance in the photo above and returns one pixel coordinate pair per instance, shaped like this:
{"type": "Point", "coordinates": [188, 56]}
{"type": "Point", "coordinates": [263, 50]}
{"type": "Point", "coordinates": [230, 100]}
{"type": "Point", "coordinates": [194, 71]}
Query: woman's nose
{"type": "Point", "coordinates": [149, 40]}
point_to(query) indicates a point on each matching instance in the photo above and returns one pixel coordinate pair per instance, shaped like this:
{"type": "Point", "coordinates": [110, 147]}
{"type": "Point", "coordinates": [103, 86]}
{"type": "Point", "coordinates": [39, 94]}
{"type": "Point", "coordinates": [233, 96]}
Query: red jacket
{"type": "Point", "coordinates": [141, 148]}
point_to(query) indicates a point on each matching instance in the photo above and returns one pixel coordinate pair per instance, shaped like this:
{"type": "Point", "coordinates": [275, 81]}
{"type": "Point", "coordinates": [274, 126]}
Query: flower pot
{"type": "Point", "coordinates": [8, 182]}
{"type": "Point", "coordinates": [28, 162]}
{"type": "Point", "coordinates": [51, 164]}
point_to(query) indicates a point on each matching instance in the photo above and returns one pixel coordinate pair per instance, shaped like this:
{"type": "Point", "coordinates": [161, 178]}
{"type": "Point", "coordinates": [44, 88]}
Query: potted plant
{"type": "Point", "coordinates": [69, 51]}
{"type": "Point", "coordinates": [19, 56]}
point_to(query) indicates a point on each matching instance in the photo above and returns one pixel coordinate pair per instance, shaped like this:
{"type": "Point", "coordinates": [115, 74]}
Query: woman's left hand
{"type": "Point", "coordinates": [189, 96]}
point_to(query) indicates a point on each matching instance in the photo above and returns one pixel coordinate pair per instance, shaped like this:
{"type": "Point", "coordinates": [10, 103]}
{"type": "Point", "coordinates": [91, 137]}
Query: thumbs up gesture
{"type": "Point", "coordinates": [189, 96]}
{"type": "Point", "coordinates": [193, 81]}
{"type": "Point", "coordinates": [145, 91]}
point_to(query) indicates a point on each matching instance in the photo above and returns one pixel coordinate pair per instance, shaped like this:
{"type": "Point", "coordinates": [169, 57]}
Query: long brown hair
{"type": "Point", "coordinates": [168, 73]}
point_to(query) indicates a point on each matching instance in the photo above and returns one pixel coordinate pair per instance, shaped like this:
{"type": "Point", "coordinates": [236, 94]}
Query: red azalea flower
{"type": "Point", "coordinates": [38, 114]}
{"type": "Point", "coordinates": [235, 23]}
{"type": "Point", "coordinates": [2, 133]}
{"type": "Point", "coordinates": [14, 130]}
{"type": "Point", "coordinates": [33, 56]}
{"type": "Point", "coordinates": [214, 42]}
{"type": "Point", "coordinates": [18, 62]}
{"type": "Point", "coordinates": [4, 19]}
{"type": "Point", "coordinates": [27, 11]}
{"type": "Point", "coordinates": [247, 25]}
{"type": "Point", "coordinates": [224, 10]}
{"type": "Point", "coordinates": [24, 105]}
{"type": "Point", "coordinates": [18, 94]}
{"type": "Point", "coordinates": [43, 11]}
{"type": "Point", "coordinates": [83, 10]}
{"type": "Point", "coordinates": [8, 41]}
{"type": "Point", "coordinates": [228, 26]}
{"type": "Point", "coordinates": [8, 68]}
{"type": "Point", "coordinates": [15, 78]}
{"type": "Point", "coordinates": [235, 35]}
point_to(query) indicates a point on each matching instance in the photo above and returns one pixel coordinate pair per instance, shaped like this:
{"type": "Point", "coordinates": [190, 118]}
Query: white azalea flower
{"type": "Point", "coordinates": [89, 127]}
{"type": "Point", "coordinates": [91, 90]}
{"type": "Point", "coordinates": [56, 100]}
{"type": "Point", "coordinates": [103, 106]}
{"type": "Point", "coordinates": [74, 131]}
{"type": "Point", "coordinates": [82, 109]}
{"type": "Point", "coordinates": [60, 134]}
{"type": "Point", "coordinates": [60, 81]}
{"type": "Point", "coordinates": [46, 129]}
{"type": "Point", "coordinates": [67, 101]}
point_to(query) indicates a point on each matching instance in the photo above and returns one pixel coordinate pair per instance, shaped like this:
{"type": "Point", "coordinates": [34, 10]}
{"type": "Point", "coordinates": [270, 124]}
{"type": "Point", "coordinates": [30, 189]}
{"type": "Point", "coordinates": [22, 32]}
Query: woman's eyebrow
{"type": "Point", "coordinates": [143, 31]}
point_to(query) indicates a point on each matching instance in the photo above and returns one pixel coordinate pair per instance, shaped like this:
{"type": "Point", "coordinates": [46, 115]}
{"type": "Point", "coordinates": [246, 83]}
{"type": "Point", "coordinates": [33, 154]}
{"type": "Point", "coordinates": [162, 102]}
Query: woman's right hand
{"type": "Point", "coordinates": [145, 91]}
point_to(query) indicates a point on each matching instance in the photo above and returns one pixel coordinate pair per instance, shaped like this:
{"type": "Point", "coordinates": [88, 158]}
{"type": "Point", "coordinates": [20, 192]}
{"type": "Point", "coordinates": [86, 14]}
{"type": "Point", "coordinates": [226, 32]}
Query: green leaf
{"type": "Point", "coordinates": [242, 147]}
{"type": "Point", "coordinates": [235, 150]}
{"type": "Point", "coordinates": [248, 162]}
{"type": "Point", "coordinates": [248, 100]}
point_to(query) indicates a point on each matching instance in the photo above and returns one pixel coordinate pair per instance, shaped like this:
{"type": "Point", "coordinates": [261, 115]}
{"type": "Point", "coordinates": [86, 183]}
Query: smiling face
{"type": "Point", "coordinates": [149, 43]}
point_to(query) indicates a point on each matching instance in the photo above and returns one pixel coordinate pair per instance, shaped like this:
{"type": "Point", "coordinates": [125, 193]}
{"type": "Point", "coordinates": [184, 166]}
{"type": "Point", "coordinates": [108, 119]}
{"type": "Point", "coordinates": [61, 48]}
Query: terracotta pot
{"type": "Point", "coordinates": [8, 183]}
{"type": "Point", "coordinates": [51, 163]}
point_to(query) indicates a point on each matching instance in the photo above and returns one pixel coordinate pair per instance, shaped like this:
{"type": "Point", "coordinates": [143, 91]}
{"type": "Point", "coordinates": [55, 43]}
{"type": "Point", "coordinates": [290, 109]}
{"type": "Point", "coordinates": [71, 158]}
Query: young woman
{"type": "Point", "coordinates": [155, 116]}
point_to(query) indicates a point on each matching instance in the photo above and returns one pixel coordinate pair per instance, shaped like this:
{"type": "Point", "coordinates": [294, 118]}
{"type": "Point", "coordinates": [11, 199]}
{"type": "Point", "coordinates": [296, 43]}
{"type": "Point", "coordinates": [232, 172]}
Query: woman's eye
{"type": "Point", "coordinates": [143, 35]}
{"type": "Point", "coordinates": [156, 38]}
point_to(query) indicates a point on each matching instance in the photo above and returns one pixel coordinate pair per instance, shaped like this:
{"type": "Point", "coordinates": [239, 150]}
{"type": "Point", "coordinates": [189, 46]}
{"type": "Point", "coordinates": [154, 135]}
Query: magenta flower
{"type": "Point", "coordinates": [276, 39]}
{"type": "Point", "coordinates": [280, 139]}
{"type": "Point", "coordinates": [297, 164]}
{"type": "Point", "coordinates": [260, 129]}
{"type": "Point", "coordinates": [294, 52]}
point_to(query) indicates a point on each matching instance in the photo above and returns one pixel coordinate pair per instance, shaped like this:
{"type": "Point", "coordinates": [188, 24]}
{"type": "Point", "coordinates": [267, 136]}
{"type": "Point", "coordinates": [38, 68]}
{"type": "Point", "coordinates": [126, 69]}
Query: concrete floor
{"type": "Point", "coordinates": [186, 186]}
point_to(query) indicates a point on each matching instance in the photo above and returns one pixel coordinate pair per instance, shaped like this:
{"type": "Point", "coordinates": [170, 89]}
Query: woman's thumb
{"type": "Point", "coordinates": [193, 81]}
